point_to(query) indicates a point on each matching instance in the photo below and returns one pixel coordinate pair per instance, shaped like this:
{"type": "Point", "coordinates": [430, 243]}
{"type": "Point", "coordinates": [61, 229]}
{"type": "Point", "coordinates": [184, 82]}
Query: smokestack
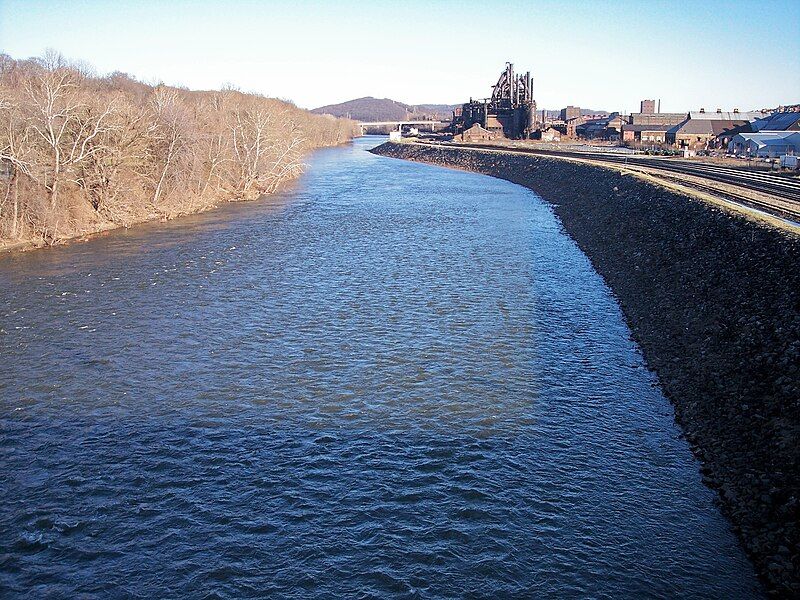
{"type": "Point", "coordinates": [528, 94]}
{"type": "Point", "coordinates": [511, 81]}
{"type": "Point", "coordinates": [659, 105]}
{"type": "Point", "coordinates": [530, 88]}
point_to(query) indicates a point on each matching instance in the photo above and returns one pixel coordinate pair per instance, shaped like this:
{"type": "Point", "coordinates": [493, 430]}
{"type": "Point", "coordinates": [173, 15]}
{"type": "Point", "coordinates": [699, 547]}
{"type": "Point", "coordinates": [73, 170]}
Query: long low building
{"type": "Point", "coordinates": [765, 144]}
{"type": "Point", "coordinates": [646, 134]}
{"type": "Point", "coordinates": [657, 118]}
{"type": "Point", "coordinates": [703, 130]}
{"type": "Point", "coordinates": [701, 134]}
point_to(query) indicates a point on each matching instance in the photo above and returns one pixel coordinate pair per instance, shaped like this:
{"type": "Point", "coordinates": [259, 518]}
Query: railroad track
{"type": "Point", "coordinates": [785, 209]}
{"type": "Point", "coordinates": [780, 195]}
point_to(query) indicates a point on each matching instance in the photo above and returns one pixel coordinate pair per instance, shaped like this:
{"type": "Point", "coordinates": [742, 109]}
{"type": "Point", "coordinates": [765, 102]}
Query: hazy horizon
{"type": "Point", "coordinates": [600, 55]}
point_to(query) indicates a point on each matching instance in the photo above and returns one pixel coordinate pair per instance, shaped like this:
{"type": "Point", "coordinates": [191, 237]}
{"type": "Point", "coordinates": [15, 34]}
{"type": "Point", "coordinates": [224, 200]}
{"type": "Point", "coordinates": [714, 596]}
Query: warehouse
{"type": "Point", "coordinates": [765, 144]}
{"type": "Point", "coordinates": [783, 121]}
{"type": "Point", "coordinates": [645, 134]}
{"type": "Point", "coordinates": [702, 130]}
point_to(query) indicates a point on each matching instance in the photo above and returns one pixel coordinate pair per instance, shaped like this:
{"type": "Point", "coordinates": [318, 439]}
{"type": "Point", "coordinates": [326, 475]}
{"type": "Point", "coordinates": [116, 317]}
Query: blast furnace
{"type": "Point", "coordinates": [511, 111]}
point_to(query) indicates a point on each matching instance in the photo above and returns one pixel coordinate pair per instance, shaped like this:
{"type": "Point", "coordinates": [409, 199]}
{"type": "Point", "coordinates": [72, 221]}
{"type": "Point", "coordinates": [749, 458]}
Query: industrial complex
{"type": "Point", "coordinates": [511, 113]}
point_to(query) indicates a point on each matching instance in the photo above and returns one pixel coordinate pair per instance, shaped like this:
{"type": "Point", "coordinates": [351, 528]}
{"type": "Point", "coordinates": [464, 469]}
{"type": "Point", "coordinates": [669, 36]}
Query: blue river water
{"type": "Point", "coordinates": [391, 380]}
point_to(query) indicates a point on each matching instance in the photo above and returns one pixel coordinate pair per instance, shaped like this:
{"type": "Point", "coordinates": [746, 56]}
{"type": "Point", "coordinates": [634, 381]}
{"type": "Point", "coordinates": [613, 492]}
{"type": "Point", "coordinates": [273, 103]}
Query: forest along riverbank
{"type": "Point", "coordinates": [712, 298]}
{"type": "Point", "coordinates": [82, 154]}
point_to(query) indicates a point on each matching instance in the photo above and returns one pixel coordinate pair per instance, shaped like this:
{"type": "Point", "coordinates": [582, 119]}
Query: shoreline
{"type": "Point", "coordinates": [105, 227]}
{"type": "Point", "coordinates": [29, 245]}
{"type": "Point", "coordinates": [711, 296]}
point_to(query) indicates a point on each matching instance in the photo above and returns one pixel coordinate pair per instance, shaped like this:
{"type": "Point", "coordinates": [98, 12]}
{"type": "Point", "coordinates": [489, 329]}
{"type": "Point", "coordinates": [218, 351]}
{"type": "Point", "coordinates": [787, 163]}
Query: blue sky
{"type": "Point", "coordinates": [600, 54]}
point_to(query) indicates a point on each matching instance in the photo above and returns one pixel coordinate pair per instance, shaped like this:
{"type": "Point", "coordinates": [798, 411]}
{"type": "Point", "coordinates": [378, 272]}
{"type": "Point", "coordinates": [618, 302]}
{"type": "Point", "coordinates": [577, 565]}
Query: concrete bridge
{"type": "Point", "coordinates": [432, 124]}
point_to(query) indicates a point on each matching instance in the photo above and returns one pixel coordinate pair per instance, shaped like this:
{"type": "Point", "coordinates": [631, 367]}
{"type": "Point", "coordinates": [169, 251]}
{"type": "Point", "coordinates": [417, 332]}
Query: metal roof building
{"type": "Point", "coordinates": [726, 116]}
{"type": "Point", "coordinates": [702, 132]}
{"type": "Point", "coordinates": [706, 126]}
{"type": "Point", "coordinates": [766, 144]}
{"type": "Point", "coordinates": [785, 121]}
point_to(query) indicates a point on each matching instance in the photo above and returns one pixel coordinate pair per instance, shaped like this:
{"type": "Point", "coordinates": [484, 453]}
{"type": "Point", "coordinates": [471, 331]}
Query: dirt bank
{"type": "Point", "coordinates": [713, 299]}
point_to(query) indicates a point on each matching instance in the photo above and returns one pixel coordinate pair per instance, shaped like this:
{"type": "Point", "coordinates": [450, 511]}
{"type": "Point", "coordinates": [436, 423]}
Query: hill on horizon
{"type": "Point", "coordinates": [385, 109]}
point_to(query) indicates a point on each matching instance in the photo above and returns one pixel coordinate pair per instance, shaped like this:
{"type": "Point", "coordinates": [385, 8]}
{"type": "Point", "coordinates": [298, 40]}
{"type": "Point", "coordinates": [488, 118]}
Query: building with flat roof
{"type": "Point", "coordinates": [647, 107]}
{"type": "Point", "coordinates": [642, 118]}
{"type": "Point", "coordinates": [645, 134]}
{"type": "Point", "coordinates": [570, 112]}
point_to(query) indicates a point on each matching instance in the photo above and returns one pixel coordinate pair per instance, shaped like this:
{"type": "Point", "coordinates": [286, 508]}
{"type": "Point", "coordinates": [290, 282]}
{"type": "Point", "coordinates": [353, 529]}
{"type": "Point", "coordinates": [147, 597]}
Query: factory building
{"type": "Point", "coordinates": [550, 134]}
{"type": "Point", "coordinates": [644, 134]}
{"type": "Point", "coordinates": [605, 128]}
{"type": "Point", "coordinates": [659, 118]}
{"type": "Point", "coordinates": [781, 121]}
{"type": "Point", "coordinates": [699, 134]}
{"type": "Point", "coordinates": [510, 112]}
{"type": "Point", "coordinates": [647, 107]}
{"type": "Point", "coordinates": [571, 126]}
{"type": "Point", "coordinates": [766, 144]}
{"type": "Point", "coordinates": [570, 112]}
{"type": "Point", "coordinates": [701, 129]}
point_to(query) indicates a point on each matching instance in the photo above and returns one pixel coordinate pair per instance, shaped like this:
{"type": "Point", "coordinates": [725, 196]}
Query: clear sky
{"type": "Point", "coordinates": [596, 54]}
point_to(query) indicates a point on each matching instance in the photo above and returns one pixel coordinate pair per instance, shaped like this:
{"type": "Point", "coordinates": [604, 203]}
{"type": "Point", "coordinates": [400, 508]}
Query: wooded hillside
{"type": "Point", "coordinates": [371, 109]}
{"type": "Point", "coordinates": [81, 153]}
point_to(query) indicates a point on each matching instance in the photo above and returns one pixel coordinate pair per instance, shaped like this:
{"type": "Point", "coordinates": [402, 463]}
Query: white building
{"type": "Point", "coordinates": [765, 144]}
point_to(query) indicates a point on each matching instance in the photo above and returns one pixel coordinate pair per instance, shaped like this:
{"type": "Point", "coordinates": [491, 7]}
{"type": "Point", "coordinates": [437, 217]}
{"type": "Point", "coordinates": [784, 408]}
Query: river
{"type": "Point", "coordinates": [391, 380]}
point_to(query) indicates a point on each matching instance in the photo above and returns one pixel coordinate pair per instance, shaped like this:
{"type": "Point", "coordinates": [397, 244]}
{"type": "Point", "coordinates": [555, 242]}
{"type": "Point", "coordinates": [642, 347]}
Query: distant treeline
{"type": "Point", "coordinates": [81, 153]}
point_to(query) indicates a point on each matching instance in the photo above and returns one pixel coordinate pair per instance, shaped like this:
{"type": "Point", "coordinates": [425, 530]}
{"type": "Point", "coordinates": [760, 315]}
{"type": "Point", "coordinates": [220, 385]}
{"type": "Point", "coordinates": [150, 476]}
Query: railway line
{"type": "Point", "coordinates": [767, 192]}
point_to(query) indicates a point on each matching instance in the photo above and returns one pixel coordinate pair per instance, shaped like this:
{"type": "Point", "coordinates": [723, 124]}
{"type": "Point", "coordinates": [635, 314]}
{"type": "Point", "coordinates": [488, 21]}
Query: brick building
{"type": "Point", "coordinates": [647, 107]}
{"type": "Point", "coordinates": [570, 112]}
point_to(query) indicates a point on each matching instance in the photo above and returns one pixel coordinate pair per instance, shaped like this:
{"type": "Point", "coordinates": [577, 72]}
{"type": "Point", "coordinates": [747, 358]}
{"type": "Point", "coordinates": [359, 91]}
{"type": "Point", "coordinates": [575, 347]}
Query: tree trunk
{"type": "Point", "coordinates": [157, 193]}
{"type": "Point", "coordinates": [15, 213]}
{"type": "Point", "coordinates": [54, 192]}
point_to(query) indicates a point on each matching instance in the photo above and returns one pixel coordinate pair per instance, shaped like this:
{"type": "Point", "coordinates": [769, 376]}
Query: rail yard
{"type": "Point", "coordinates": [774, 194]}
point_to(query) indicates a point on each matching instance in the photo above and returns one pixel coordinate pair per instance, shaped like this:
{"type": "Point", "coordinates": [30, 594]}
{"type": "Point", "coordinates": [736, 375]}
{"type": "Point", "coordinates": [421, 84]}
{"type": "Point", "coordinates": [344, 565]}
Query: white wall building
{"type": "Point", "coordinates": [766, 144]}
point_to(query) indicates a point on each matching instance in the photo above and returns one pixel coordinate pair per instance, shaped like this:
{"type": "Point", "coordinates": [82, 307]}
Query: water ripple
{"type": "Point", "coordinates": [391, 381]}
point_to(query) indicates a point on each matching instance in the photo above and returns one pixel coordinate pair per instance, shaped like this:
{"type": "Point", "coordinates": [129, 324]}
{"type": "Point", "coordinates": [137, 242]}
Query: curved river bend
{"type": "Point", "coordinates": [393, 380]}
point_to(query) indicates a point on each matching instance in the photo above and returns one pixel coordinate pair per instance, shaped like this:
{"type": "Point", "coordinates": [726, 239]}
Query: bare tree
{"type": "Point", "coordinates": [78, 152]}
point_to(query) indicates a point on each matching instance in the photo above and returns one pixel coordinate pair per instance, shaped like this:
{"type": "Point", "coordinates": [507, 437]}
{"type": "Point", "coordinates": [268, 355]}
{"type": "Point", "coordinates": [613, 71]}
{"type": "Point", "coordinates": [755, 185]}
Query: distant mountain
{"type": "Point", "coordinates": [383, 109]}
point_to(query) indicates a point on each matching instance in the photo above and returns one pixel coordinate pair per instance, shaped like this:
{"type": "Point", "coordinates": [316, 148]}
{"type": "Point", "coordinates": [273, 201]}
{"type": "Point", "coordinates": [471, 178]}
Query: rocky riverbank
{"type": "Point", "coordinates": [713, 299]}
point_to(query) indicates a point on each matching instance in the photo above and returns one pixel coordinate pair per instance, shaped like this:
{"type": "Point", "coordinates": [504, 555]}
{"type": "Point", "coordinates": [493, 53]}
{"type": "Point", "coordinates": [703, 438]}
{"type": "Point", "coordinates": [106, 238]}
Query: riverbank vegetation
{"type": "Point", "coordinates": [81, 153]}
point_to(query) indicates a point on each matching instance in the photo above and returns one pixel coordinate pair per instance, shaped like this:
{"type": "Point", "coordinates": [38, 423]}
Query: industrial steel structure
{"type": "Point", "coordinates": [511, 111]}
